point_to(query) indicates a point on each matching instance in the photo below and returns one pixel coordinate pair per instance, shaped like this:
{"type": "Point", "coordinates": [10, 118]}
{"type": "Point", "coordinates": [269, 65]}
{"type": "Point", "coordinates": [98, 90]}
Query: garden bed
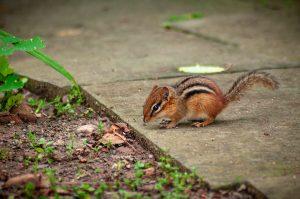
{"type": "Point", "coordinates": [86, 153]}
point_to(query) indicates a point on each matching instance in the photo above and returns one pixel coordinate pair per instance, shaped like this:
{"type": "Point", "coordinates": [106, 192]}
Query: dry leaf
{"type": "Point", "coordinates": [88, 129]}
{"type": "Point", "coordinates": [149, 172]}
{"type": "Point", "coordinates": [112, 138]}
{"type": "Point", "coordinates": [123, 127]}
{"type": "Point", "coordinates": [113, 129]}
{"type": "Point", "coordinates": [37, 179]}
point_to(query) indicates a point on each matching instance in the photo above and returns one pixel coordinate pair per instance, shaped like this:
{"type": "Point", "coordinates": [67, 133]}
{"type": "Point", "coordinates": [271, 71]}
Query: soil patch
{"type": "Point", "coordinates": [85, 153]}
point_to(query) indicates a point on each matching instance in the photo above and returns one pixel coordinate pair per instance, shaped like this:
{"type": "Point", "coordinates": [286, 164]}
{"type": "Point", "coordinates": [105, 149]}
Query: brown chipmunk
{"type": "Point", "coordinates": [197, 97]}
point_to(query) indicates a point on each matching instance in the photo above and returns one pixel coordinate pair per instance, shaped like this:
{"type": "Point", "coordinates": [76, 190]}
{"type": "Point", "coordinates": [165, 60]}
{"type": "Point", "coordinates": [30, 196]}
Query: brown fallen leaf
{"type": "Point", "coordinates": [149, 172]}
{"type": "Point", "coordinates": [87, 129]}
{"type": "Point", "coordinates": [37, 179]}
{"type": "Point", "coordinates": [8, 117]}
{"type": "Point", "coordinates": [123, 127]}
{"type": "Point", "coordinates": [25, 112]}
{"type": "Point", "coordinates": [3, 175]}
{"type": "Point", "coordinates": [148, 187]}
{"type": "Point", "coordinates": [112, 138]}
{"type": "Point", "coordinates": [70, 32]}
{"type": "Point", "coordinates": [113, 129]}
{"type": "Point", "coordinates": [82, 159]}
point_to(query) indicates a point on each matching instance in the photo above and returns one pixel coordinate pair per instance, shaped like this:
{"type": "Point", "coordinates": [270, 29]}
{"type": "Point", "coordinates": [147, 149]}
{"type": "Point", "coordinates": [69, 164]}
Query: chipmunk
{"type": "Point", "coordinates": [198, 97]}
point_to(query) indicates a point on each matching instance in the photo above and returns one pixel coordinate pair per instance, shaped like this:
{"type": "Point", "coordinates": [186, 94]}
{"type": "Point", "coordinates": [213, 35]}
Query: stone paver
{"type": "Point", "coordinates": [256, 139]}
{"type": "Point", "coordinates": [120, 44]}
{"type": "Point", "coordinates": [115, 41]}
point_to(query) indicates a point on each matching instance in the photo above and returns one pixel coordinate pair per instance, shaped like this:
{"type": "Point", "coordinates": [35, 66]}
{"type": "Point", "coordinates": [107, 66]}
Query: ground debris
{"type": "Point", "coordinates": [25, 112]}
{"type": "Point", "coordinates": [109, 138]}
{"type": "Point", "coordinates": [38, 179]}
{"type": "Point", "coordinates": [87, 129]}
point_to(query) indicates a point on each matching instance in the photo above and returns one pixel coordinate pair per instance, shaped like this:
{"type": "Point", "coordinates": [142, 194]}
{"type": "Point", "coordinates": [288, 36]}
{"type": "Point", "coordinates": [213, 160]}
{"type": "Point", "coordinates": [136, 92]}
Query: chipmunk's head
{"type": "Point", "coordinates": [158, 102]}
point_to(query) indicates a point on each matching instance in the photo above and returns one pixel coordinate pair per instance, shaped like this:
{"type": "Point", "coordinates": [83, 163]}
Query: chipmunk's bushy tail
{"type": "Point", "coordinates": [246, 81]}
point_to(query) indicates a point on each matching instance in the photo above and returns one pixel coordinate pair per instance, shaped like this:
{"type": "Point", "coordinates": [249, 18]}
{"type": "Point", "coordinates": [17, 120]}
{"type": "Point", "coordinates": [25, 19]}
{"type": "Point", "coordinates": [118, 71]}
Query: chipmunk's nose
{"type": "Point", "coordinates": [146, 120]}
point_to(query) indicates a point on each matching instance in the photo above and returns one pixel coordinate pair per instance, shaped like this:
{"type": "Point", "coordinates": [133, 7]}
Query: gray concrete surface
{"type": "Point", "coordinates": [256, 139]}
{"type": "Point", "coordinates": [118, 49]}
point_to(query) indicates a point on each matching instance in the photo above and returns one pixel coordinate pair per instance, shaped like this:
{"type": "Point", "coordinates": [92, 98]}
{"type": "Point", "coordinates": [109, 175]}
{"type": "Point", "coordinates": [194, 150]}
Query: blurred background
{"type": "Point", "coordinates": [143, 39]}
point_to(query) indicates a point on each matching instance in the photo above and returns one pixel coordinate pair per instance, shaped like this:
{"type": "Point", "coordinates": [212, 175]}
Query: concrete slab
{"type": "Point", "coordinates": [256, 139]}
{"type": "Point", "coordinates": [109, 41]}
{"type": "Point", "coordinates": [258, 33]}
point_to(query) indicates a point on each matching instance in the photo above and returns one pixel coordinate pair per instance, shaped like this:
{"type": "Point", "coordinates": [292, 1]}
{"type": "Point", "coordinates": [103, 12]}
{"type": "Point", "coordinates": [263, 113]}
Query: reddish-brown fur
{"type": "Point", "coordinates": [207, 104]}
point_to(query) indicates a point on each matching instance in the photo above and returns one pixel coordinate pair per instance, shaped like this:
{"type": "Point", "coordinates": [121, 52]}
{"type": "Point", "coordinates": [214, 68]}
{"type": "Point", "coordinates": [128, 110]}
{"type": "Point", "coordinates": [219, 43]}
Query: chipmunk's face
{"type": "Point", "coordinates": [156, 103]}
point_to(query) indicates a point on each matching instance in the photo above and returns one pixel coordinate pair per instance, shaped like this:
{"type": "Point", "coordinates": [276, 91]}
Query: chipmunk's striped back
{"type": "Point", "coordinates": [193, 85]}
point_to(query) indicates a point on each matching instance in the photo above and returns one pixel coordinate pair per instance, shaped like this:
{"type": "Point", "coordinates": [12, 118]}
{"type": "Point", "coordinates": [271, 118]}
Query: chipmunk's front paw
{"type": "Point", "coordinates": [169, 125]}
{"type": "Point", "coordinates": [164, 122]}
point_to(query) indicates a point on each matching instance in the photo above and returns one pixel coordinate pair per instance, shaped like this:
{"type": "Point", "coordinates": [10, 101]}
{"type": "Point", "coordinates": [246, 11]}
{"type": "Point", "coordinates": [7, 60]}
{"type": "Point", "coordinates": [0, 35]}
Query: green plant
{"type": "Point", "coordinates": [50, 173]}
{"type": "Point", "coordinates": [42, 148]}
{"type": "Point", "coordinates": [29, 190]}
{"type": "Point", "coordinates": [10, 83]}
{"type": "Point", "coordinates": [84, 191]}
{"type": "Point", "coordinates": [70, 145]}
{"type": "Point", "coordinates": [177, 18]}
{"type": "Point", "coordinates": [100, 190]}
{"type": "Point", "coordinates": [127, 195]}
{"type": "Point", "coordinates": [108, 145]}
{"type": "Point", "coordinates": [100, 127]}
{"type": "Point", "coordinates": [96, 148]}
{"type": "Point", "coordinates": [98, 170]}
{"type": "Point", "coordinates": [89, 112]}
{"type": "Point", "coordinates": [38, 104]}
{"type": "Point", "coordinates": [4, 153]}
{"type": "Point", "coordinates": [74, 98]}
{"type": "Point", "coordinates": [181, 182]}
{"type": "Point", "coordinates": [84, 141]}
{"type": "Point", "coordinates": [138, 175]}
{"type": "Point", "coordinates": [32, 138]}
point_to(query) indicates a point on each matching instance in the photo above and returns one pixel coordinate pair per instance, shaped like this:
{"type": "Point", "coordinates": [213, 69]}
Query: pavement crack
{"type": "Point", "coordinates": [204, 36]}
{"type": "Point", "coordinates": [225, 72]}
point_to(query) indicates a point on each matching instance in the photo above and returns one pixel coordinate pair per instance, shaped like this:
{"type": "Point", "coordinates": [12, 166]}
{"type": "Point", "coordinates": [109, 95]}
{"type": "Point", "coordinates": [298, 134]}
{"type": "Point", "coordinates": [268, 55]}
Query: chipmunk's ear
{"type": "Point", "coordinates": [154, 87]}
{"type": "Point", "coordinates": [166, 93]}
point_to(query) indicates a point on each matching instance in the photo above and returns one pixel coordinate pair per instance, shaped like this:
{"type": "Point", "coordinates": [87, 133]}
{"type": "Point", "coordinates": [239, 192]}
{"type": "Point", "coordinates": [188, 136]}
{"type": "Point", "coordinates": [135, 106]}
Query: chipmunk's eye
{"type": "Point", "coordinates": [156, 107]}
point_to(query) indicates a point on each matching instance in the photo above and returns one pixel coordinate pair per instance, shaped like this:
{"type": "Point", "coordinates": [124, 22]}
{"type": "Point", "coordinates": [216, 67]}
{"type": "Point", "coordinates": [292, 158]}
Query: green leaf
{"type": "Point", "coordinates": [53, 64]}
{"type": "Point", "coordinates": [39, 150]}
{"type": "Point", "coordinates": [184, 17]}
{"type": "Point", "coordinates": [42, 141]}
{"type": "Point", "coordinates": [6, 50]}
{"type": "Point", "coordinates": [12, 82]}
{"type": "Point", "coordinates": [29, 44]}
{"type": "Point", "coordinates": [21, 45]}
{"type": "Point", "coordinates": [4, 67]}
{"type": "Point", "coordinates": [13, 101]}
{"type": "Point", "coordinates": [9, 39]}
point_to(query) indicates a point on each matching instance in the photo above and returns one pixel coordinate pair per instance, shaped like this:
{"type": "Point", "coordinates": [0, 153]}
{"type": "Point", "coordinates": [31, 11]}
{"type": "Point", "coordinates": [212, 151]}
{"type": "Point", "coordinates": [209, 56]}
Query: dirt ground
{"type": "Point", "coordinates": [68, 156]}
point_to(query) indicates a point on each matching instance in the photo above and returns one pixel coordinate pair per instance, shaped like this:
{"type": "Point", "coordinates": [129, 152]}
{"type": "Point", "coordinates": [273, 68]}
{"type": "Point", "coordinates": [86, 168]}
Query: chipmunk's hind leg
{"type": "Point", "coordinates": [206, 122]}
{"type": "Point", "coordinates": [205, 106]}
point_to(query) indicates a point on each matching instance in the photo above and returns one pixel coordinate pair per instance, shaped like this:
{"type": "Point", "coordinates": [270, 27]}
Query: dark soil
{"type": "Point", "coordinates": [79, 157]}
